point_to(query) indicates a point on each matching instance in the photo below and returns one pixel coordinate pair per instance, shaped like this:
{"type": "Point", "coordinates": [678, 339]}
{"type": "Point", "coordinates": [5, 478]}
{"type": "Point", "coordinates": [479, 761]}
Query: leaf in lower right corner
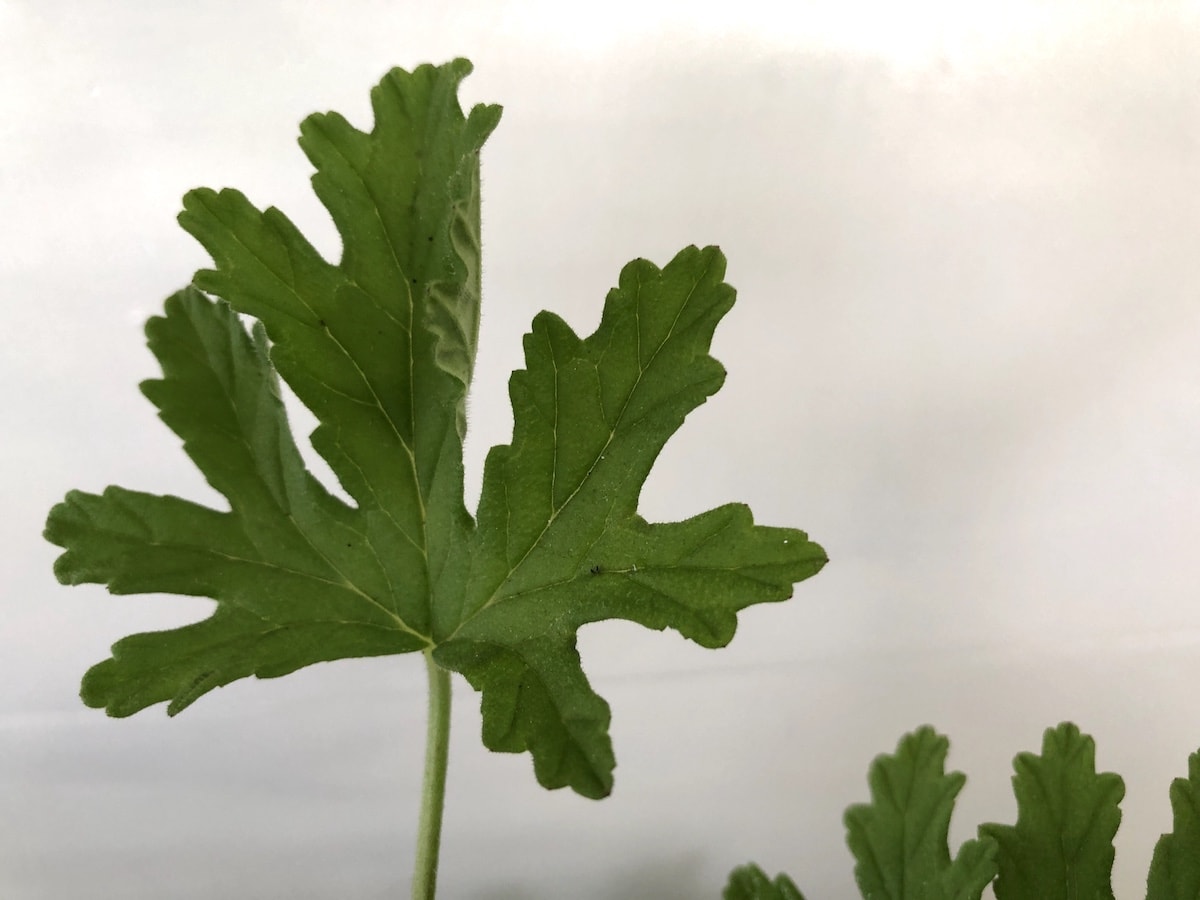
{"type": "Point", "coordinates": [1175, 868]}
{"type": "Point", "coordinates": [899, 839]}
{"type": "Point", "coordinates": [1067, 816]}
{"type": "Point", "coordinates": [749, 882]}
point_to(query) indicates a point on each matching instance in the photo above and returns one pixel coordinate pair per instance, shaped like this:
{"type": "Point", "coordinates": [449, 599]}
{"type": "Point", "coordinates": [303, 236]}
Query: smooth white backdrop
{"type": "Point", "coordinates": [964, 357]}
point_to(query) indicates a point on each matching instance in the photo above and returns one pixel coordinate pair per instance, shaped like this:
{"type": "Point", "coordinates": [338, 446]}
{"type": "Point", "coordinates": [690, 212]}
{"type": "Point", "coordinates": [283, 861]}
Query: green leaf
{"type": "Point", "coordinates": [1175, 867]}
{"type": "Point", "coordinates": [1067, 815]}
{"type": "Point", "coordinates": [381, 347]}
{"type": "Point", "coordinates": [749, 882]}
{"type": "Point", "coordinates": [559, 542]}
{"type": "Point", "coordinates": [292, 566]}
{"type": "Point", "coordinates": [899, 839]}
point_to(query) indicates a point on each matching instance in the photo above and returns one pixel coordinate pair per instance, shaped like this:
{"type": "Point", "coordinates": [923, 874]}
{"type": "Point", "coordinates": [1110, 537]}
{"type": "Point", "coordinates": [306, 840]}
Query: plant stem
{"type": "Point", "coordinates": [433, 788]}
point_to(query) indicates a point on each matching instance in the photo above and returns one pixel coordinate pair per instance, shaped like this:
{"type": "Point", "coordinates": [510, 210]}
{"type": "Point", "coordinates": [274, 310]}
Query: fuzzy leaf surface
{"type": "Point", "coordinates": [1175, 867]}
{"type": "Point", "coordinates": [900, 839]}
{"type": "Point", "coordinates": [1067, 815]}
{"type": "Point", "coordinates": [381, 348]}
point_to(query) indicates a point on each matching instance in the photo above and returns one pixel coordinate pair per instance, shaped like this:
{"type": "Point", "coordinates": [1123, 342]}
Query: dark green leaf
{"type": "Point", "coordinates": [899, 839]}
{"type": "Point", "coordinates": [560, 543]}
{"type": "Point", "coordinates": [381, 347]}
{"type": "Point", "coordinates": [1061, 847]}
{"type": "Point", "coordinates": [1175, 868]}
{"type": "Point", "coordinates": [749, 882]}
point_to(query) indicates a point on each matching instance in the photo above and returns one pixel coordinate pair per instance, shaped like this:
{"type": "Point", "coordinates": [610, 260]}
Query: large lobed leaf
{"type": "Point", "coordinates": [381, 348]}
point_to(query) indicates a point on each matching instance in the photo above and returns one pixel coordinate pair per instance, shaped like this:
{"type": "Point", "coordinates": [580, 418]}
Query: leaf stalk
{"type": "Point", "coordinates": [433, 786]}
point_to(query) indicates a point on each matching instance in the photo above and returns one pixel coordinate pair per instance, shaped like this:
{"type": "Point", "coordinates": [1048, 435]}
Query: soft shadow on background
{"type": "Point", "coordinates": [963, 357]}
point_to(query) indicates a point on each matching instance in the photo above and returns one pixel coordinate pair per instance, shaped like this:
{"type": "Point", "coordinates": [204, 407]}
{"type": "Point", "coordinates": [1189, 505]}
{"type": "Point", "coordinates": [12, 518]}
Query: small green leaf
{"type": "Point", "coordinates": [899, 840]}
{"type": "Point", "coordinates": [749, 882]}
{"type": "Point", "coordinates": [1061, 847]}
{"type": "Point", "coordinates": [1175, 868]}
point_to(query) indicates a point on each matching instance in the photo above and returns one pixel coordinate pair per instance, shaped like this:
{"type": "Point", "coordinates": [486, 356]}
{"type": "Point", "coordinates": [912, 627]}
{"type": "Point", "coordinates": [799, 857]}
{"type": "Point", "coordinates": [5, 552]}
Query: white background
{"type": "Point", "coordinates": [965, 357]}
